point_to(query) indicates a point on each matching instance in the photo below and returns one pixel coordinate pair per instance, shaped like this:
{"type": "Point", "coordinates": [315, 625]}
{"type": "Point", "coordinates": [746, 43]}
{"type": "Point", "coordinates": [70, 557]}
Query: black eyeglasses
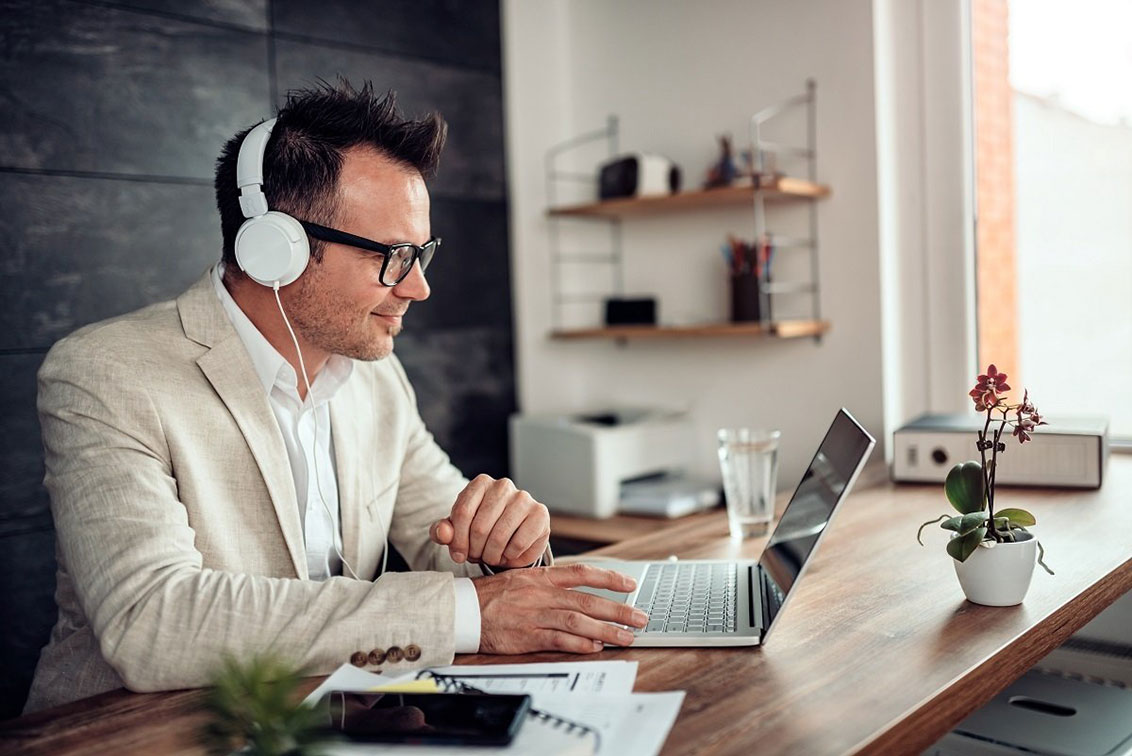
{"type": "Point", "coordinates": [398, 258]}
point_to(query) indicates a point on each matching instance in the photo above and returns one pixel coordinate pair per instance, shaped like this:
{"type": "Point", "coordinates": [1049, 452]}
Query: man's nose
{"type": "Point", "coordinates": [413, 286]}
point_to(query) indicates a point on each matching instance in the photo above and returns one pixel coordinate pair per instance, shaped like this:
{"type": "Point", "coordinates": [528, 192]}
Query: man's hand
{"type": "Point", "coordinates": [534, 610]}
{"type": "Point", "coordinates": [494, 523]}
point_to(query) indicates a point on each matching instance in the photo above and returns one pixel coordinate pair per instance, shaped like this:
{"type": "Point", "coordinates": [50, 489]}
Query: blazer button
{"type": "Point", "coordinates": [412, 652]}
{"type": "Point", "coordinates": [376, 657]}
{"type": "Point", "coordinates": [394, 654]}
{"type": "Point", "coordinates": [358, 658]}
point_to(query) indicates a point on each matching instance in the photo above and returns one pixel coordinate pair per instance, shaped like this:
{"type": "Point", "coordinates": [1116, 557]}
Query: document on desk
{"type": "Point", "coordinates": [552, 678]}
{"type": "Point", "coordinates": [630, 724]}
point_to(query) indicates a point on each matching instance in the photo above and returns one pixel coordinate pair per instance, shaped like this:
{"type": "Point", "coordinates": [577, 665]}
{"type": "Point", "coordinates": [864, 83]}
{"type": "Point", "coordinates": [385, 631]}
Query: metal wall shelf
{"type": "Point", "coordinates": [754, 191]}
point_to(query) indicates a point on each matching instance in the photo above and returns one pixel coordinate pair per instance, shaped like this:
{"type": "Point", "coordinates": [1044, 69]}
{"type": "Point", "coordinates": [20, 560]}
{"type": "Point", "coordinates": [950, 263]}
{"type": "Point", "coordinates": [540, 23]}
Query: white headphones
{"type": "Point", "coordinates": [271, 247]}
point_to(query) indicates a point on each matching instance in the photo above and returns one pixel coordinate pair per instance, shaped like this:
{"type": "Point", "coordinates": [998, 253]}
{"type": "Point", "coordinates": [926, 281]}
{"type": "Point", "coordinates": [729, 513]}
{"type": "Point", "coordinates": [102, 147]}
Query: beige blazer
{"type": "Point", "coordinates": [177, 528]}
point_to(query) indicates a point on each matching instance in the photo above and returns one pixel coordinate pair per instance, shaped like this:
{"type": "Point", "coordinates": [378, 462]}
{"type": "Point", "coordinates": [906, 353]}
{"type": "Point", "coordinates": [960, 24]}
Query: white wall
{"type": "Point", "coordinates": [677, 74]}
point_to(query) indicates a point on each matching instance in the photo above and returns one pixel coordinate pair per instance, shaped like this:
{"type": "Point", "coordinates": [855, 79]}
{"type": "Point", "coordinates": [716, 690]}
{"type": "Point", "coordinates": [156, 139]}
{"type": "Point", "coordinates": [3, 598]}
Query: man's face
{"type": "Point", "coordinates": [340, 305]}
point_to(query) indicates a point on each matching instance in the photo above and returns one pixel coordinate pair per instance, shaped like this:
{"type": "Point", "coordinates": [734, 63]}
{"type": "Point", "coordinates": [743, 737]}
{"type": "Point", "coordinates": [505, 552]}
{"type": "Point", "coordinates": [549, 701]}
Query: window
{"type": "Point", "coordinates": [1053, 171]}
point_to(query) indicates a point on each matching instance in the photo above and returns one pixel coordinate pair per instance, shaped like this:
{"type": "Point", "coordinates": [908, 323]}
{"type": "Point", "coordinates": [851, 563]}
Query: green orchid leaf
{"type": "Point", "coordinates": [969, 522]}
{"type": "Point", "coordinates": [951, 523]}
{"type": "Point", "coordinates": [964, 487]}
{"type": "Point", "coordinates": [964, 524]}
{"type": "Point", "coordinates": [962, 547]}
{"type": "Point", "coordinates": [1017, 517]}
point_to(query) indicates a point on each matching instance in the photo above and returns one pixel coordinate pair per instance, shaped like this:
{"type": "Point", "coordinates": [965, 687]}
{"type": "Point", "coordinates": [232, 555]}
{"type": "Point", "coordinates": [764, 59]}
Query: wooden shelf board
{"type": "Point", "coordinates": [783, 329]}
{"type": "Point", "coordinates": [782, 188]}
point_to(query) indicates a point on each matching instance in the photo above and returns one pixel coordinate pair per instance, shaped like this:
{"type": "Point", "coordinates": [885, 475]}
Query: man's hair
{"type": "Point", "coordinates": [304, 154]}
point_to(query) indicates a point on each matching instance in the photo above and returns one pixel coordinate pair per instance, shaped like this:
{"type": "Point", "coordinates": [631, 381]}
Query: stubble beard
{"type": "Point", "coordinates": [336, 330]}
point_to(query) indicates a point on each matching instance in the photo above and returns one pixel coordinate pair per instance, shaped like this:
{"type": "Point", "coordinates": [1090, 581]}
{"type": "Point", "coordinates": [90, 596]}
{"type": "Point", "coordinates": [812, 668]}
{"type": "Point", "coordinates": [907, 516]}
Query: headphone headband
{"type": "Point", "coordinates": [249, 170]}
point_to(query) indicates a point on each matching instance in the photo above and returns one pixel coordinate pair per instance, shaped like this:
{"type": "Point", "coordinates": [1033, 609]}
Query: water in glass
{"type": "Point", "coordinates": [748, 460]}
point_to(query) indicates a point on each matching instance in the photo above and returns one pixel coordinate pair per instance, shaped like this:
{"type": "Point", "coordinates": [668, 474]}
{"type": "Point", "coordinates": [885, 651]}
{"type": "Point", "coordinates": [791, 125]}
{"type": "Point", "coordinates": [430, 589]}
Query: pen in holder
{"type": "Point", "coordinates": [749, 267]}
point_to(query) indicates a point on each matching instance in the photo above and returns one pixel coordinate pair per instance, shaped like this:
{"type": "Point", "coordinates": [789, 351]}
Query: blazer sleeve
{"type": "Point", "coordinates": [162, 619]}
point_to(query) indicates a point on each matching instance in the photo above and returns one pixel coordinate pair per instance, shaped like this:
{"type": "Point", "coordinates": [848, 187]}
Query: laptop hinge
{"type": "Point", "coordinates": [754, 593]}
{"type": "Point", "coordinates": [764, 605]}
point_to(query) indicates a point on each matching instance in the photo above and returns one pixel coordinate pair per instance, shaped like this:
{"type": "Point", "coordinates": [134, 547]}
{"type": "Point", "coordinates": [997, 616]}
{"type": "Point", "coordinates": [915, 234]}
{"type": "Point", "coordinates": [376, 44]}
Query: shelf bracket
{"type": "Point", "coordinates": [554, 175]}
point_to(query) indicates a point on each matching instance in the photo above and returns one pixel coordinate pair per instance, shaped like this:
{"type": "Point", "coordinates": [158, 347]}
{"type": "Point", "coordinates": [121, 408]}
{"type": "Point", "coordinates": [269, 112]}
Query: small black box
{"type": "Point", "coordinates": [639, 311]}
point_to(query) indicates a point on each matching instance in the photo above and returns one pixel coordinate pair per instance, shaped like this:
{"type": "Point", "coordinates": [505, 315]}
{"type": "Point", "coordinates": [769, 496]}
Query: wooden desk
{"type": "Point", "coordinates": [620, 528]}
{"type": "Point", "coordinates": [877, 653]}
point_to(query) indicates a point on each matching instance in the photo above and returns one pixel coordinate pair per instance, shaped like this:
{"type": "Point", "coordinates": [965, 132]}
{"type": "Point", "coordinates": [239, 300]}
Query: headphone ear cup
{"type": "Point", "coordinates": [272, 248]}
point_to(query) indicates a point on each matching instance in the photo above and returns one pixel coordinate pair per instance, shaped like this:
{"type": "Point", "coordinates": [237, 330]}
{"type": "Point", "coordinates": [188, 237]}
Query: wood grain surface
{"type": "Point", "coordinates": [878, 652]}
{"type": "Point", "coordinates": [610, 530]}
{"type": "Point", "coordinates": [785, 188]}
{"type": "Point", "coordinates": [781, 329]}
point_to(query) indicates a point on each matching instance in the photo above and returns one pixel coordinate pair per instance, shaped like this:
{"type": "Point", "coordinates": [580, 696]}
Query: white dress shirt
{"type": "Point", "coordinates": [305, 426]}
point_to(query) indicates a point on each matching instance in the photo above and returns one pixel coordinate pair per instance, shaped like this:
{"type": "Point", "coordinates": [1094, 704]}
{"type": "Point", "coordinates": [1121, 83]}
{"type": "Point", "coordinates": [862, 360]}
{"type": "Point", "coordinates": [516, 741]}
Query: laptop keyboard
{"type": "Point", "coordinates": [688, 598]}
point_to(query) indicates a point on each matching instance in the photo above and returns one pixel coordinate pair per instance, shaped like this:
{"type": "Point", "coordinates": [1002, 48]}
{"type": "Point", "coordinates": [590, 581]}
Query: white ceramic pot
{"type": "Point", "coordinates": [998, 574]}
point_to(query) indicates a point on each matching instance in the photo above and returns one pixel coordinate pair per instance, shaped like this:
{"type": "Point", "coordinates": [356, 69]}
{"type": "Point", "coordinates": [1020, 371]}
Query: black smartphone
{"type": "Point", "coordinates": [448, 718]}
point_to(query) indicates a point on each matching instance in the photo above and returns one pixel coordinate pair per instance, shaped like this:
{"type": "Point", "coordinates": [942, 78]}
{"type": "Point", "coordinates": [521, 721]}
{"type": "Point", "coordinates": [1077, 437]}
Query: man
{"type": "Point", "coordinates": [225, 469]}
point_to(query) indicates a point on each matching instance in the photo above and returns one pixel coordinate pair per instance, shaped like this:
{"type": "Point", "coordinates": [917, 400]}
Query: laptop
{"type": "Point", "coordinates": [736, 603]}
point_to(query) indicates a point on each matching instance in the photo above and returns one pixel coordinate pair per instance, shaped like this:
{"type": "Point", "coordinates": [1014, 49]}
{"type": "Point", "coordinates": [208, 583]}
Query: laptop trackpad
{"type": "Point", "coordinates": [635, 570]}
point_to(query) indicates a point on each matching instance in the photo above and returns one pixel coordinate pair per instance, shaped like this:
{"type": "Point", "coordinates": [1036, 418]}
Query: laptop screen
{"type": "Point", "coordinates": [842, 453]}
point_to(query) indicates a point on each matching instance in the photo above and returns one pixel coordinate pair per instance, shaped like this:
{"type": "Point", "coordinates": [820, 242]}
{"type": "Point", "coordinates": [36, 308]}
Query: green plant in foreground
{"type": "Point", "coordinates": [970, 486]}
{"type": "Point", "coordinates": [255, 706]}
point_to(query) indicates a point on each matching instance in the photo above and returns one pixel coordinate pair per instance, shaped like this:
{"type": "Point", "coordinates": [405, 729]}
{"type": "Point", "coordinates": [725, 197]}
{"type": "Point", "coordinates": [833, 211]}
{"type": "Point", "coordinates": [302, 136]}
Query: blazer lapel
{"type": "Point", "coordinates": [229, 369]}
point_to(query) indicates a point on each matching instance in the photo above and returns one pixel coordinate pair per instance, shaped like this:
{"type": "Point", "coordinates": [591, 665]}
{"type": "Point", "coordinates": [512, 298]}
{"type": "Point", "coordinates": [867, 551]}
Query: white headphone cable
{"type": "Point", "coordinates": [317, 479]}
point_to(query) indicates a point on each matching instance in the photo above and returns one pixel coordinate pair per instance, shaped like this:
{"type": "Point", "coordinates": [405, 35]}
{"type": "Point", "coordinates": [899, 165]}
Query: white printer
{"type": "Point", "coordinates": [576, 463]}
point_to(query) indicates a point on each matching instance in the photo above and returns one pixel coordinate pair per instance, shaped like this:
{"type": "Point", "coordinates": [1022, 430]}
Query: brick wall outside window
{"type": "Point", "coordinates": [995, 242]}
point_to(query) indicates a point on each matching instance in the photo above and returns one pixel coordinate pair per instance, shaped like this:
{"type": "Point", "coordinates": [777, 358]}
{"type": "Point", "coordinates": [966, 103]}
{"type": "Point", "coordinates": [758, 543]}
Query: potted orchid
{"type": "Point", "coordinates": [991, 548]}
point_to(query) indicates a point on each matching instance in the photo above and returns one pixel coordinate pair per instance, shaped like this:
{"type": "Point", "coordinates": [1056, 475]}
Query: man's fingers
{"type": "Point", "coordinates": [556, 640]}
{"type": "Point", "coordinates": [528, 557]}
{"type": "Point", "coordinates": [575, 575]}
{"type": "Point", "coordinates": [601, 608]}
{"type": "Point", "coordinates": [441, 532]}
{"type": "Point", "coordinates": [532, 534]}
{"type": "Point", "coordinates": [510, 524]}
{"type": "Point", "coordinates": [492, 511]}
{"type": "Point", "coordinates": [576, 623]}
{"type": "Point", "coordinates": [463, 511]}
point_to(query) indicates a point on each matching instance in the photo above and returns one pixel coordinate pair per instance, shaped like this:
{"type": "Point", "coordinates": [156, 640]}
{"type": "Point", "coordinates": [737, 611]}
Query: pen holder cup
{"type": "Point", "coordinates": [745, 298]}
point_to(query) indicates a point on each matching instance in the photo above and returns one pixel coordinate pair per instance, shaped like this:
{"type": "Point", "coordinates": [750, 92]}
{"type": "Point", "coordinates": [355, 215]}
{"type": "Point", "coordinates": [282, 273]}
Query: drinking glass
{"type": "Point", "coordinates": [748, 459]}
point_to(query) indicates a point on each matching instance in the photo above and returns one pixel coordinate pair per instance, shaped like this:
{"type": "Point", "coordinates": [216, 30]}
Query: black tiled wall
{"type": "Point", "coordinates": [114, 113]}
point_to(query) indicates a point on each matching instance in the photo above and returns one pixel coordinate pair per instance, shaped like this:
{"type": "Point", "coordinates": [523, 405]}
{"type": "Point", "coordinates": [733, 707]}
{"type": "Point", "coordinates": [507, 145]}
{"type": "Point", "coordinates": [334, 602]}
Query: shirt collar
{"type": "Point", "coordinates": [271, 368]}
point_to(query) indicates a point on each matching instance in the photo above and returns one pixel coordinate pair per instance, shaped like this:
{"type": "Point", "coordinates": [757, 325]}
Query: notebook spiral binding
{"type": "Point", "coordinates": [452, 684]}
